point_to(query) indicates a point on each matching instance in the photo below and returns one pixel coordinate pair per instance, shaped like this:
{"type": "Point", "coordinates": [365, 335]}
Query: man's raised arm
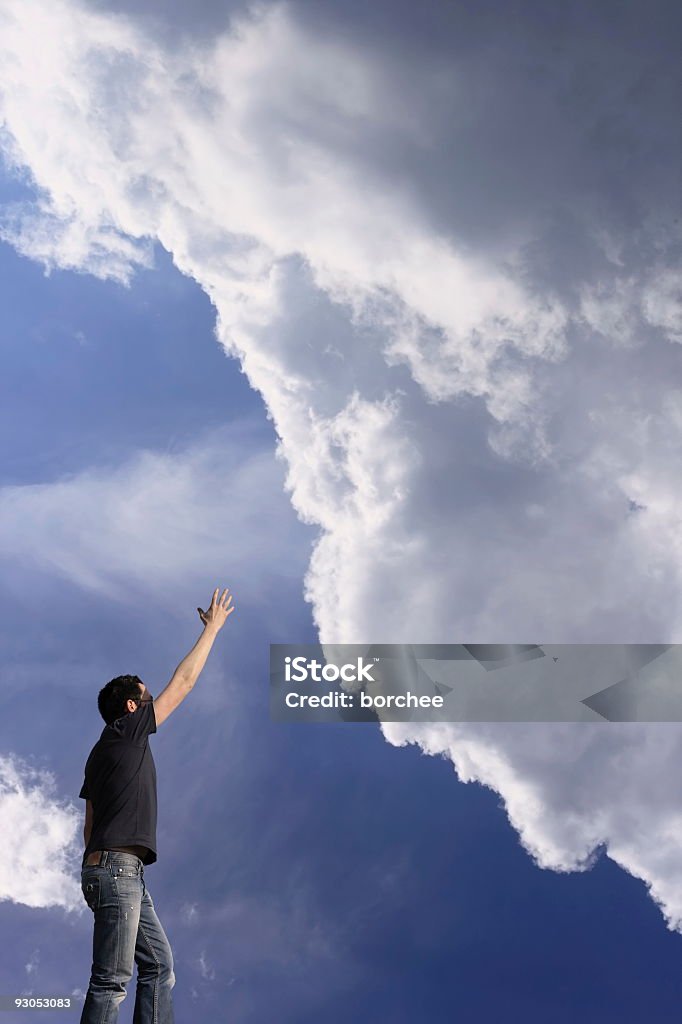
{"type": "Point", "coordinates": [189, 669]}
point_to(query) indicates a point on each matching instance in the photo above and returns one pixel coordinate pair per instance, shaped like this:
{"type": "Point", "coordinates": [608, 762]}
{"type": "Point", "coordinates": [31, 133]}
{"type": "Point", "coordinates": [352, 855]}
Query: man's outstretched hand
{"type": "Point", "coordinates": [188, 671]}
{"type": "Point", "coordinates": [218, 611]}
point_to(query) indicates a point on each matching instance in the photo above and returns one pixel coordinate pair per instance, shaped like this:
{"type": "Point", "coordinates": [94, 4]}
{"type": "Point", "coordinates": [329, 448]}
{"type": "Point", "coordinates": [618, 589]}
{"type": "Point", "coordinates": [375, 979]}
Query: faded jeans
{"type": "Point", "coordinates": [127, 932]}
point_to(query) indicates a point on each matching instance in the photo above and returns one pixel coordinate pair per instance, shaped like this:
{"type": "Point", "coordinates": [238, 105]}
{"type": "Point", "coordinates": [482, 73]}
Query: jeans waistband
{"type": "Point", "coordinates": [116, 858]}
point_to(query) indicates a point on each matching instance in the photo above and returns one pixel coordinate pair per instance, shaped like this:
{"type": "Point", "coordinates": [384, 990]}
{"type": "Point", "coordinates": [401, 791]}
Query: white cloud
{"type": "Point", "coordinates": [157, 520]}
{"type": "Point", "coordinates": [189, 913]}
{"type": "Point", "coordinates": [206, 969]}
{"type": "Point", "coordinates": [40, 835]}
{"type": "Point", "coordinates": [613, 310]}
{"type": "Point", "coordinates": [233, 176]}
{"type": "Point", "coordinates": [621, 308]}
{"type": "Point", "coordinates": [469, 475]}
{"type": "Point", "coordinates": [662, 301]}
{"type": "Point", "coordinates": [69, 244]}
{"type": "Point", "coordinates": [34, 960]}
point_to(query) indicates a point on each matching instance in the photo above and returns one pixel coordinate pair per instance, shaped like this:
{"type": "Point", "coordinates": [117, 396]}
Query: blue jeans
{"type": "Point", "coordinates": [127, 932]}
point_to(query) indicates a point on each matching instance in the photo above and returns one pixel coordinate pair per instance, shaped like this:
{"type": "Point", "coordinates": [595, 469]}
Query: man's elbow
{"type": "Point", "coordinates": [184, 683]}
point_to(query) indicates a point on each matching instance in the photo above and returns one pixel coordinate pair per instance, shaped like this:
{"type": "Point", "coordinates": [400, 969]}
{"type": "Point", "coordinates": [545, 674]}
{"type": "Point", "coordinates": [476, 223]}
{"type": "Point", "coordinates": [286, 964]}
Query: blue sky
{"type": "Point", "coordinates": [375, 321]}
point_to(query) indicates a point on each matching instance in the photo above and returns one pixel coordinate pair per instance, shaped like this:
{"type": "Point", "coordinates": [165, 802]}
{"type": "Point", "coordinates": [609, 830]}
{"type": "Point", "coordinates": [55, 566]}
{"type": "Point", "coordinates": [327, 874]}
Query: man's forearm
{"type": "Point", "coordinates": [190, 667]}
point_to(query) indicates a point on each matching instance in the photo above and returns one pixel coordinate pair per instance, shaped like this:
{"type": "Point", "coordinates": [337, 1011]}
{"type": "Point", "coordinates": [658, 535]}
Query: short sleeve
{"type": "Point", "coordinates": [85, 792]}
{"type": "Point", "coordinates": [137, 725]}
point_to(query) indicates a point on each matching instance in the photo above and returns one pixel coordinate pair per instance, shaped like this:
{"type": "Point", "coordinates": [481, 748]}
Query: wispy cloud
{"type": "Point", "coordinates": [206, 970]}
{"type": "Point", "coordinates": [155, 521]}
{"type": "Point", "coordinates": [189, 913]}
{"type": "Point", "coordinates": [33, 963]}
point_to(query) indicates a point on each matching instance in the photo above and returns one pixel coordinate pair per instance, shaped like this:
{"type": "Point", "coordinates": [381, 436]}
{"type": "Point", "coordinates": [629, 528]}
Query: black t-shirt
{"type": "Point", "coordinates": [120, 780]}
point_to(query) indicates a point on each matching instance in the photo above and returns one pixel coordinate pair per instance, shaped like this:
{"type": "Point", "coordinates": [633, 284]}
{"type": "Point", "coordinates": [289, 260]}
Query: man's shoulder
{"type": "Point", "coordinates": [135, 726]}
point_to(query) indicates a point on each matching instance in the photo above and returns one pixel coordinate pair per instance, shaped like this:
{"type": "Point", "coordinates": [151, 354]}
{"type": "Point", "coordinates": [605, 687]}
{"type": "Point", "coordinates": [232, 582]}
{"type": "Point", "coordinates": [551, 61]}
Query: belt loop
{"type": "Point", "coordinates": [103, 858]}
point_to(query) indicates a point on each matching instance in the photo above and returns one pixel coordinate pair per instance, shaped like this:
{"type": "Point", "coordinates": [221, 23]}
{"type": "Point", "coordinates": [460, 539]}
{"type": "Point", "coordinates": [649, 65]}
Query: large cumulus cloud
{"type": "Point", "coordinates": [453, 282]}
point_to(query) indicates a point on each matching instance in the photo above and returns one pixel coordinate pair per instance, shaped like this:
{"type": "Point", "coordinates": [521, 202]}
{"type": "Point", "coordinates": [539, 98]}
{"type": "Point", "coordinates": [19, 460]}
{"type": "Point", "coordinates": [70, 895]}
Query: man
{"type": "Point", "coordinates": [120, 838]}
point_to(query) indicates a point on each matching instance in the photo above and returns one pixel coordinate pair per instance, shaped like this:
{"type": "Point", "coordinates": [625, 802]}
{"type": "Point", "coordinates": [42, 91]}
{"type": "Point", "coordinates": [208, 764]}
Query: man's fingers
{"type": "Point", "coordinates": [223, 602]}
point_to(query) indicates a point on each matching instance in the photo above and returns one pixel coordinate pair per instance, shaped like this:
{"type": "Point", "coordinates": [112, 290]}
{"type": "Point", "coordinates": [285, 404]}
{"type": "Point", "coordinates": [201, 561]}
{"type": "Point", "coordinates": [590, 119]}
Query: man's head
{"type": "Point", "coordinates": [121, 696]}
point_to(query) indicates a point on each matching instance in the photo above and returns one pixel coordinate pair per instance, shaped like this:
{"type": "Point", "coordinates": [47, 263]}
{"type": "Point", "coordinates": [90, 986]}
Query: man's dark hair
{"type": "Point", "coordinates": [112, 697]}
